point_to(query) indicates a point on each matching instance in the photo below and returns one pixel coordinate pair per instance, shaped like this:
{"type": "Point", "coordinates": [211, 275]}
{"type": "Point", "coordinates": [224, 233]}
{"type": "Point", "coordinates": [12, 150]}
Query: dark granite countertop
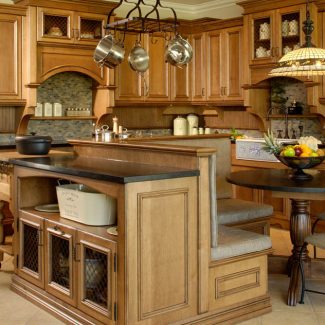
{"type": "Point", "coordinates": [103, 169]}
{"type": "Point", "coordinates": [8, 146]}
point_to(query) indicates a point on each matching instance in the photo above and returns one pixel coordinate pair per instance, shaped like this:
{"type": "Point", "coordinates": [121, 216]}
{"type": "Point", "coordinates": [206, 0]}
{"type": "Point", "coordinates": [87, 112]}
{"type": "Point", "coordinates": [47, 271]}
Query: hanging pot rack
{"type": "Point", "coordinates": [138, 23]}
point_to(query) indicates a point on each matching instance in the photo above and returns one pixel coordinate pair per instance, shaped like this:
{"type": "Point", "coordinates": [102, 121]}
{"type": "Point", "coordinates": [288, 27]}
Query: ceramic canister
{"type": "Point", "coordinates": [180, 126]}
{"type": "Point", "coordinates": [193, 122]}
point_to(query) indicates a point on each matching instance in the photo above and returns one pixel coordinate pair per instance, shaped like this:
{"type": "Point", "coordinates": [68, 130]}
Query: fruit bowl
{"type": "Point", "coordinates": [300, 163]}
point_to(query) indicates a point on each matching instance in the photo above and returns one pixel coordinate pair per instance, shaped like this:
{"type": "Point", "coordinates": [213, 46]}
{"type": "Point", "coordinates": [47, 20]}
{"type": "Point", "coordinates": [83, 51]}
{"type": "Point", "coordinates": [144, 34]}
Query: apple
{"type": "Point", "coordinates": [298, 151]}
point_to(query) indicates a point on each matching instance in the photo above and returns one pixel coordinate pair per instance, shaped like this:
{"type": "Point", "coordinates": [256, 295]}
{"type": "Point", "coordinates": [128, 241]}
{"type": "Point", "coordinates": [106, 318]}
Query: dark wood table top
{"type": "Point", "coordinates": [278, 180]}
{"type": "Point", "coordinates": [116, 171]}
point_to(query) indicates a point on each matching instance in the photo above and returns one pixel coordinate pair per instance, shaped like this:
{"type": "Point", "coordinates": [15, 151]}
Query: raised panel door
{"type": "Point", "coordinates": [60, 268]}
{"type": "Point", "coordinates": [233, 62]}
{"type": "Point", "coordinates": [198, 67]}
{"type": "Point", "coordinates": [97, 277]}
{"type": "Point", "coordinates": [215, 65]}
{"type": "Point", "coordinates": [10, 56]}
{"type": "Point", "coordinates": [180, 84]}
{"type": "Point", "coordinates": [158, 72]}
{"type": "Point", "coordinates": [128, 82]}
{"type": "Point", "coordinates": [30, 248]}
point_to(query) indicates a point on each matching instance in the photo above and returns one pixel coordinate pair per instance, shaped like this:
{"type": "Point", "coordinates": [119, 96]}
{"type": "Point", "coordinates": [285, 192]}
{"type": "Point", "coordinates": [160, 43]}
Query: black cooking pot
{"type": "Point", "coordinates": [33, 144]}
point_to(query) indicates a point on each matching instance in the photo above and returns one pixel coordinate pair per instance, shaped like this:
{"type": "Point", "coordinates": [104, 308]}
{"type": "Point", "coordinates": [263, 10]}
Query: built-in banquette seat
{"type": "Point", "coordinates": [231, 211]}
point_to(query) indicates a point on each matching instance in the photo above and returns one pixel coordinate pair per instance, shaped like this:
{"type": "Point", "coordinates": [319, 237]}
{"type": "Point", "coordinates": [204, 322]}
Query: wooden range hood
{"type": "Point", "coordinates": [45, 55]}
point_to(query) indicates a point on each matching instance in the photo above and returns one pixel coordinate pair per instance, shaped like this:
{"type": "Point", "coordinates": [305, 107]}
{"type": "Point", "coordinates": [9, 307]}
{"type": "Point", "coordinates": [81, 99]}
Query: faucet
{"type": "Point", "coordinates": [286, 128]}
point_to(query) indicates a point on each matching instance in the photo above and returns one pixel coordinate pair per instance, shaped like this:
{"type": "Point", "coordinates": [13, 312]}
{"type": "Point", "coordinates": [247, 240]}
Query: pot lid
{"type": "Point", "coordinates": [33, 138]}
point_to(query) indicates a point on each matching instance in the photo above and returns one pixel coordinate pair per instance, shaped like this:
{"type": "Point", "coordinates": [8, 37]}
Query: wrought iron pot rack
{"type": "Point", "coordinates": [138, 23]}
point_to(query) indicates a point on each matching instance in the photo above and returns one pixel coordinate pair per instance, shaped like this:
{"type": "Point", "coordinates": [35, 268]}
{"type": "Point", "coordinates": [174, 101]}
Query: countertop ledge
{"type": "Point", "coordinates": [116, 171]}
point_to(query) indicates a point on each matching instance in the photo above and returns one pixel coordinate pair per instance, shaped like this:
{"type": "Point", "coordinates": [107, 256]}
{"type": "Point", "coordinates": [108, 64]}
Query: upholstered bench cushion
{"type": "Point", "coordinates": [234, 242]}
{"type": "Point", "coordinates": [235, 210]}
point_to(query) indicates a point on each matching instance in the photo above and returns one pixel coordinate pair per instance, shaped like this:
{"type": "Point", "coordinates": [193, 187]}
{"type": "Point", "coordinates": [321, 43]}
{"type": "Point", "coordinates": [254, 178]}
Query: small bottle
{"type": "Point", "coordinates": [115, 125]}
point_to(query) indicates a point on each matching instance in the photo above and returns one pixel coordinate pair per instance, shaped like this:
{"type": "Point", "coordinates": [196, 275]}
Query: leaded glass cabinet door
{"type": "Point", "coordinates": [30, 261]}
{"type": "Point", "coordinates": [97, 270]}
{"type": "Point", "coordinates": [59, 263]}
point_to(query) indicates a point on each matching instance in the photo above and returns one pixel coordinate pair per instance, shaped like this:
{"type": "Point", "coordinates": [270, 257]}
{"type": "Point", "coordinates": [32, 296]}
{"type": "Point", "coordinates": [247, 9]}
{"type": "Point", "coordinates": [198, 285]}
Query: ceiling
{"type": "Point", "coordinates": [194, 9]}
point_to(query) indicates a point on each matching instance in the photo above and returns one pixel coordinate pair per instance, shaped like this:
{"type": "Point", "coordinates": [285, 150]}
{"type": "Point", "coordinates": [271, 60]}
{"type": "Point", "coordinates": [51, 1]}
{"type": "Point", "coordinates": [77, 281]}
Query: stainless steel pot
{"type": "Point", "coordinates": [33, 144]}
{"type": "Point", "coordinates": [179, 52]}
{"type": "Point", "coordinates": [109, 52]}
{"type": "Point", "coordinates": [138, 59]}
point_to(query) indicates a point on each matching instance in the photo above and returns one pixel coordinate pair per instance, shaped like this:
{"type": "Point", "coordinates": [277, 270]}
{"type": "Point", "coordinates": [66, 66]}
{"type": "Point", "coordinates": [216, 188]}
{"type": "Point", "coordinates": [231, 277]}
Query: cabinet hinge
{"type": "Point", "coordinates": [115, 311]}
{"type": "Point", "coordinates": [115, 262]}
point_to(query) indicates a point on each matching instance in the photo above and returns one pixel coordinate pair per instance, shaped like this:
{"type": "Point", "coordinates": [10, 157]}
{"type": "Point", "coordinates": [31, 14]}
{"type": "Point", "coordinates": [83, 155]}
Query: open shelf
{"type": "Point", "coordinates": [64, 118]}
{"type": "Point", "coordinates": [294, 116]}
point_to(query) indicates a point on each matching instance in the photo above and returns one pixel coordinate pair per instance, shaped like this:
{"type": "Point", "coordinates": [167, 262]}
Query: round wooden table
{"type": "Point", "coordinates": [300, 193]}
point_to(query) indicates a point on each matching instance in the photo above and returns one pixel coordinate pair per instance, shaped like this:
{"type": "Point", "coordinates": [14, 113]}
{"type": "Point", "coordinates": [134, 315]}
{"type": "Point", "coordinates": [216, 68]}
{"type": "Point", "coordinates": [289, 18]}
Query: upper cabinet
{"type": "Point", "coordinates": [63, 26]}
{"type": "Point", "coordinates": [161, 83]}
{"type": "Point", "coordinates": [274, 33]}
{"type": "Point", "coordinates": [217, 73]}
{"type": "Point", "coordinates": [11, 27]}
{"type": "Point", "coordinates": [273, 29]}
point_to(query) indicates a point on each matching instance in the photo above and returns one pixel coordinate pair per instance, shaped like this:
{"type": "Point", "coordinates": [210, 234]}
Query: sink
{"type": "Point", "coordinates": [252, 149]}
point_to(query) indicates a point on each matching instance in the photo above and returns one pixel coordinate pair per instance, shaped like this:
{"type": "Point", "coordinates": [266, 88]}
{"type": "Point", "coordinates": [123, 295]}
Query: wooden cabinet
{"type": "Point", "coordinates": [60, 267]}
{"type": "Point", "coordinates": [72, 265]}
{"type": "Point", "coordinates": [217, 66]}
{"type": "Point", "coordinates": [11, 27]}
{"type": "Point", "coordinates": [274, 33]}
{"type": "Point", "coordinates": [150, 86]}
{"type": "Point", "coordinates": [225, 71]}
{"type": "Point", "coordinates": [97, 261]}
{"type": "Point", "coordinates": [199, 69]}
{"type": "Point", "coordinates": [30, 261]}
{"type": "Point", "coordinates": [63, 26]}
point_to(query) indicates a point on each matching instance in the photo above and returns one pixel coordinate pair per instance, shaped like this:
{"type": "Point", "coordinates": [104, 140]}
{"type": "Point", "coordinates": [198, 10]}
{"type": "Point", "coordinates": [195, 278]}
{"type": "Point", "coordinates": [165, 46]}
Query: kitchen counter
{"type": "Point", "coordinates": [5, 155]}
{"type": "Point", "coordinates": [116, 171]}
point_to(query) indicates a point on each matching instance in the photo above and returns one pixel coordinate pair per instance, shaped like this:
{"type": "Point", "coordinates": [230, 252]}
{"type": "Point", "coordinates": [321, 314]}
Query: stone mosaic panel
{"type": "Point", "coordinates": [71, 89]}
{"type": "Point", "coordinates": [61, 130]}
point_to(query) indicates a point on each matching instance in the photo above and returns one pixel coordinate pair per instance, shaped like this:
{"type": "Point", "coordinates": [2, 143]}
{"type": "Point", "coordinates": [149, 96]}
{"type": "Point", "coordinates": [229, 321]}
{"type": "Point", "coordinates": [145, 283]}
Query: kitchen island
{"type": "Point", "coordinates": [157, 268]}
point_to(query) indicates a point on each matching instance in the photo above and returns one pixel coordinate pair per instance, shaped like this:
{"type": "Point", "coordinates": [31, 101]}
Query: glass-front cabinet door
{"type": "Point", "coordinates": [89, 28]}
{"type": "Point", "coordinates": [30, 261]}
{"type": "Point", "coordinates": [63, 26]}
{"type": "Point", "coordinates": [59, 262]}
{"type": "Point", "coordinates": [274, 33]}
{"type": "Point", "coordinates": [96, 258]}
{"type": "Point", "coordinates": [54, 25]}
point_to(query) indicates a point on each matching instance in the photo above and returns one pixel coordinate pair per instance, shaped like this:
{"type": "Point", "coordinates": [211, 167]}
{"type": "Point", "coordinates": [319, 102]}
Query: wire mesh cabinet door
{"type": "Point", "coordinates": [30, 261]}
{"type": "Point", "coordinates": [60, 276]}
{"type": "Point", "coordinates": [97, 276]}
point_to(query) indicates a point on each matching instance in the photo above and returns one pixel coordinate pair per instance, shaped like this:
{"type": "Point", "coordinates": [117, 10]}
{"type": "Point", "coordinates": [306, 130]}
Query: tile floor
{"type": "Point", "coordinates": [15, 310]}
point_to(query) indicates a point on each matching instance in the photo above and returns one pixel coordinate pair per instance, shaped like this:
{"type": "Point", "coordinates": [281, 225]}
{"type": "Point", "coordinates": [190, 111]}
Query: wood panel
{"type": "Point", "coordinates": [216, 67]}
{"type": "Point", "coordinates": [158, 72]}
{"type": "Point", "coordinates": [238, 281]}
{"type": "Point", "coordinates": [128, 82]}
{"type": "Point", "coordinates": [162, 286]}
{"type": "Point", "coordinates": [198, 67]}
{"type": "Point", "coordinates": [10, 56]}
{"type": "Point", "coordinates": [234, 58]}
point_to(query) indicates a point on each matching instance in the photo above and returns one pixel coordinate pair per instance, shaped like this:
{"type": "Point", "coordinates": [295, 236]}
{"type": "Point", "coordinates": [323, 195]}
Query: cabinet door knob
{"type": "Point", "coordinates": [203, 92]}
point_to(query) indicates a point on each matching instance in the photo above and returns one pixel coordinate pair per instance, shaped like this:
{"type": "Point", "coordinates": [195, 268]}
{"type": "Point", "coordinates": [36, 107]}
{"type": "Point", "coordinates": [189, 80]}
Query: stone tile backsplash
{"type": "Point", "coordinates": [71, 89]}
{"type": "Point", "coordinates": [61, 130]}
